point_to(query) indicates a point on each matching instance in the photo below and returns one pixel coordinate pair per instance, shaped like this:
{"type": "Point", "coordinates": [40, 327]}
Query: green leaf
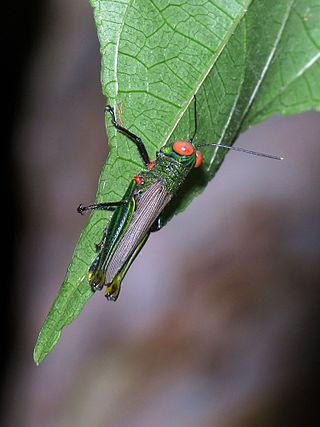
{"type": "Point", "coordinates": [246, 60]}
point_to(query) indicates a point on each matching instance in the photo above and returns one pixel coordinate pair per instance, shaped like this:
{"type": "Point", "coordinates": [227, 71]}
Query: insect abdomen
{"type": "Point", "coordinates": [149, 205]}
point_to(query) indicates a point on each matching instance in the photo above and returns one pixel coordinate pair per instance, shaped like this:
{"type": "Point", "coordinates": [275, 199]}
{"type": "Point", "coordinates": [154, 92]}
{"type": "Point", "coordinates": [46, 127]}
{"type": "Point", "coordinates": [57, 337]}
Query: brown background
{"type": "Point", "coordinates": [217, 320]}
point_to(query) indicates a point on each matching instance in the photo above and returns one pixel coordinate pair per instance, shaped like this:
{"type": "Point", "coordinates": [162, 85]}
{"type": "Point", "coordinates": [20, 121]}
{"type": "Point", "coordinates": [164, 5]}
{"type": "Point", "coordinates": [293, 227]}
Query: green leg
{"type": "Point", "coordinates": [113, 288]}
{"type": "Point", "coordinates": [101, 244]}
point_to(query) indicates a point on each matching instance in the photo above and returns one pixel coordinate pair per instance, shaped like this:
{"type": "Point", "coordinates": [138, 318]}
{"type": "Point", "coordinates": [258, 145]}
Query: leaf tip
{"type": "Point", "coordinates": [36, 357]}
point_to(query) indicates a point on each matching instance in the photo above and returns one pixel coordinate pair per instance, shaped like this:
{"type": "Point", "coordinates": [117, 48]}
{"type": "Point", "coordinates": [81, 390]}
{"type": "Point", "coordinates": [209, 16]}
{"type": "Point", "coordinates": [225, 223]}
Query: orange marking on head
{"type": "Point", "coordinates": [183, 148]}
{"type": "Point", "coordinates": [138, 179]}
{"type": "Point", "coordinates": [199, 159]}
{"type": "Point", "coordinates": [151, 164]}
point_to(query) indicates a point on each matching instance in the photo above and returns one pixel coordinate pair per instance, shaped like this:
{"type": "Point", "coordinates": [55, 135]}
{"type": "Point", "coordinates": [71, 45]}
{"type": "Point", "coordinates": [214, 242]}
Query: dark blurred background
{"type": "Point", "coordinates": [218, 317]}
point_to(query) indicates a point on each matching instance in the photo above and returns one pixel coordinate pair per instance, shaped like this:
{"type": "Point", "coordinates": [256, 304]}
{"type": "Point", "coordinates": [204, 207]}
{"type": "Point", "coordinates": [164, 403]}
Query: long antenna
{"type": "Point", "coordinates": [244, 150]}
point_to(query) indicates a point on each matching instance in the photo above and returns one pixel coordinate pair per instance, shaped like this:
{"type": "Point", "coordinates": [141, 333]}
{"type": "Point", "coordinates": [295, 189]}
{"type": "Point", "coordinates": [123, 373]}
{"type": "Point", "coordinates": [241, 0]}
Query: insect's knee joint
{"type": "Point", "coordinates": [81, 209]}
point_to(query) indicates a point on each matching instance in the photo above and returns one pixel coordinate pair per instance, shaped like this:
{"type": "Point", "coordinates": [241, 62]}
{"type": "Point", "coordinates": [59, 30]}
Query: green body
{"type": "Point", "coordinates": [132, 223]}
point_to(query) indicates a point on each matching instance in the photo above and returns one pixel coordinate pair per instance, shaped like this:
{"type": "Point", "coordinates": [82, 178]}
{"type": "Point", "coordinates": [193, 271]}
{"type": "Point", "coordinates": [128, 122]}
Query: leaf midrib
{"type": "Point", "coordinates": [214, 60]}
{"type": "Point", "coordinates": [215, 57]}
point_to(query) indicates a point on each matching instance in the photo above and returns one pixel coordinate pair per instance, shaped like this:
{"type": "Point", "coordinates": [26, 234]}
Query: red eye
{"type": "Point", "coordinates": [183, 148]}
{"type": "Point", "coordinates": [199, 159]}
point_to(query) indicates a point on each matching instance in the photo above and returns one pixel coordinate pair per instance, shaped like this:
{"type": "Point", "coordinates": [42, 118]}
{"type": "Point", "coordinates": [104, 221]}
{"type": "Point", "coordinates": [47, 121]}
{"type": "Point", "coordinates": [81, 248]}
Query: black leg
{"type": "Point", "coordinates": [157, 225]}
{"type": "Point", "coordinates": [134, 138]}
{"type": "Point", "coordinates": [101, 206]}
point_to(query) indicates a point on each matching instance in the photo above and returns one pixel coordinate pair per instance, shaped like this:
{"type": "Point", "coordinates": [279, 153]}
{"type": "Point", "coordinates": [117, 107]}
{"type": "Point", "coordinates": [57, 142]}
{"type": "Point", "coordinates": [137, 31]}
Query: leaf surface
{"type": "Point", "coordinates": [245, 60]}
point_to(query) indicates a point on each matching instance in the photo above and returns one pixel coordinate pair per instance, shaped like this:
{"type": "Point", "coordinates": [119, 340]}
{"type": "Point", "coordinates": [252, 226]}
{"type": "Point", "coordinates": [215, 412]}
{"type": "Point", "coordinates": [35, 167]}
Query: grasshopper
{"type": "Point", "coordinates": [139, 212]}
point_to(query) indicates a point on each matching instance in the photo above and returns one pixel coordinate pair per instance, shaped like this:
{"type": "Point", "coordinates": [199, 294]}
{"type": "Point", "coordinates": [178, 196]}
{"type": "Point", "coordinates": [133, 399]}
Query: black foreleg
{"type": "Point", "coordinates": [101, 206]}
{"type": "Point", "coordinates": [134, 138]}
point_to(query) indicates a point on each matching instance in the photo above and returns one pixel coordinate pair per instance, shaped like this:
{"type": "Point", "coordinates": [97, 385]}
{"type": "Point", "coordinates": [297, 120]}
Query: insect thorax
{"type": "Point", "coordinates": [171, 172]}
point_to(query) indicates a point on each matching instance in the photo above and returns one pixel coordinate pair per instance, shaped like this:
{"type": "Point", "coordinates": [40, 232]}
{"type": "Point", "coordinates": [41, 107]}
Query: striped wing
{"type": "Point", "coordinates": [149, 205]}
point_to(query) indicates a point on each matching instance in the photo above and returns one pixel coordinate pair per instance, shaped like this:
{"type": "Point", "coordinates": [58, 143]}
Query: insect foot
{"type": "Point", "coordinates": [97, 280]}
{"type": "Point", "coordinates": [81, 209]}
{"type": "Point", "coordinates": [113, 290]}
